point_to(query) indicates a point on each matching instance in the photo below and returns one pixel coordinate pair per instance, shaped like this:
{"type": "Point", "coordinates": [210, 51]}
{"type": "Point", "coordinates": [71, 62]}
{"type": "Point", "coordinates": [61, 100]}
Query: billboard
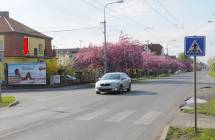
{"type": "Point", "coordinates": [27, 74]}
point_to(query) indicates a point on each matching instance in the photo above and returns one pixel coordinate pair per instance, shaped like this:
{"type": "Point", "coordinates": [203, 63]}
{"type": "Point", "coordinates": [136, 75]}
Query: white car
{"type": "Point", "coordinates": [113, 82]}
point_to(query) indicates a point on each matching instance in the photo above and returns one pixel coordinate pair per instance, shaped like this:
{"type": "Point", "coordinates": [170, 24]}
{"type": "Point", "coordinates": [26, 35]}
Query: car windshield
{"type": "Point", "coordinates": [111, 77]}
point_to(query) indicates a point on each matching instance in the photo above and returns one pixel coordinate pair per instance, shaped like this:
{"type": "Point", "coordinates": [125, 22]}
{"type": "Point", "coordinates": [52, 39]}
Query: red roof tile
{"type": "Point", "coordinates": [156, 48]}
{"type": "Point", "coordinates": [8, 25]}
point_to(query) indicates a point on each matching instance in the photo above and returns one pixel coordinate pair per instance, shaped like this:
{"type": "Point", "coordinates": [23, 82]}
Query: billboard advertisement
{"type": "Point", "coordinates": [27, 74]}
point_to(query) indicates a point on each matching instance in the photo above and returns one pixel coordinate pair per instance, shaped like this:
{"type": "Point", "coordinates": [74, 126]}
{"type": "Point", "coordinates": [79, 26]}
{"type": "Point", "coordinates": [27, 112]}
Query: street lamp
{"type": "Point", "coordinates": [105, 33]}
{"type": "Point", "coordinates": [211, 21]}
{"type": "Point", "coordinates": [167, 51]}
{"type": "Point", "coordinates": [80, 42]}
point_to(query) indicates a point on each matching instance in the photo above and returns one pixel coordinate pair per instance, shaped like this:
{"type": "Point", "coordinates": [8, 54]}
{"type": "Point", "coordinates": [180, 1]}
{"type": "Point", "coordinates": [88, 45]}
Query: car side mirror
{"type": "Point", "coordinates": [99, 78]}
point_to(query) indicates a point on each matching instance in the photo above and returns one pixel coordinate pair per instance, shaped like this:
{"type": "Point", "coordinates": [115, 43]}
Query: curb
{"type": "Point", "coordinates": [13, 103]}
{"type": "Point", "coordinates": [50, 89]}
{"type": "Point", "coordinates": [164, 133]}
{"type": "Point", "coordinates": [182, 105]}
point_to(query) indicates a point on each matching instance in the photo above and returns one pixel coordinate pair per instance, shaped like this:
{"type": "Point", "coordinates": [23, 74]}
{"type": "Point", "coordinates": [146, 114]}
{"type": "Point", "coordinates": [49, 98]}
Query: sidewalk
{"type": "Point", "coordinates": [72, 87]}
{"type": "Point", "coordinates": [187, 120]}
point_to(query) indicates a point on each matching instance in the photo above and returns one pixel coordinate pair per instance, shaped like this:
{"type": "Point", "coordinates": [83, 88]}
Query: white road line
{"type": "Point", "coordinates": [21, 130]}
{"type": "Point", "coordinates": [93, 115]}
{"type": "Point", "coordinates": [120, 116]}
{"type": "Point", "coordinates": [148, 118]}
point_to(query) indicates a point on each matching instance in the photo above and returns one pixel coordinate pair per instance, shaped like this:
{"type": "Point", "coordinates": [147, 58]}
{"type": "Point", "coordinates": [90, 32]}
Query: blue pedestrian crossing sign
{"type": "Point", "coordinates": [194, 45]}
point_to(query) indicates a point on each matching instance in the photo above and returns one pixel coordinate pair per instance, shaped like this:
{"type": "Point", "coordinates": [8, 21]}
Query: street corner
{"type": "Point", "coordinates": [8, 101]}
{"type": "Point", "coordinates": [14, 103]}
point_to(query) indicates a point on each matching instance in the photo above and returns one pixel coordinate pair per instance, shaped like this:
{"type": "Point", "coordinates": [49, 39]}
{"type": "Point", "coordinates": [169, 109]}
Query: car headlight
{"type": "Point", "coordinates": [97, 84]}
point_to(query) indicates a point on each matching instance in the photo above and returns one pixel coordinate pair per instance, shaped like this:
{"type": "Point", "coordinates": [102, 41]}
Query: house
{"type": "Point", "coordinates": [70, 52]}
{"type": "Point", "coordinates": [21, 44]}
{"type": "Point", "coordinates": [154, 48]}
{"type": "Point", "coordinates": [65, 56]}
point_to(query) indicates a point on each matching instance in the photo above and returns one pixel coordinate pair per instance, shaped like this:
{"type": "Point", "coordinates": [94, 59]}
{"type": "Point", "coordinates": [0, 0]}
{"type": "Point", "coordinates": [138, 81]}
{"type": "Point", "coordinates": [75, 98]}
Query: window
{"type": "Point", "coordinates": [1, 50]}
{"type": "Point", "coordinates": [35, 52]}
{"type": "Point", "coordinates": [1, 45]}
{"type": "Point", "coordinates": [40, 48]}
{"type": "Point", "coordinates": [1, 56]}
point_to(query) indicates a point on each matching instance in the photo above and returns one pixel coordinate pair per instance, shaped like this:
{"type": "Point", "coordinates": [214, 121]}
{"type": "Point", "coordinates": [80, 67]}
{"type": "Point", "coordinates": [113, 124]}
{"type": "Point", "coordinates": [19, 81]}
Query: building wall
{"type": "Point", "coordinates": [36, 43]}
{"type": "Point", "coordinates": [21, 60]}
{"type": "Point", "coordinates": [1, 41]}
{"type": "Point", "coordinates": [1, 59]}
{"type": "Point", "coordinates": [13, 50]}
{"type": "Point", "coordinates": [14, 43]}
{"type": "Point", "coordinates": [48, 45]}
{"type": "Point", "coordinates": [2, 77]}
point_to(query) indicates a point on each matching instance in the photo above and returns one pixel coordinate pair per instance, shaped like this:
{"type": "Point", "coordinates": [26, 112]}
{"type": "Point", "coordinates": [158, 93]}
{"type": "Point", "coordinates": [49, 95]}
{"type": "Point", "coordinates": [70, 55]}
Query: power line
{"type": "Point", "coordinates": [155, 10]}
{"type": "Point", "coordinates": [125, 19]}
{"type": "Point", "coordinates": [75, 29]}
{"type": "Point", "coordinates": [168, 12]}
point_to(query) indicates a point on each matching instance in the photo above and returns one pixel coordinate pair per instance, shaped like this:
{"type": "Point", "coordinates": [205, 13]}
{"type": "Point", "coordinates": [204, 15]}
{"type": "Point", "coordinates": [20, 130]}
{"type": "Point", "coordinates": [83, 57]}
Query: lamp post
{"type": "Point", "coordinates": [80, 43]}
{"type": "Point", "coordinates": [167, 51]}
{"type": "Point", "coordinates": [211, 21]}
{"type": "Point", "coordinates": [105, 33]}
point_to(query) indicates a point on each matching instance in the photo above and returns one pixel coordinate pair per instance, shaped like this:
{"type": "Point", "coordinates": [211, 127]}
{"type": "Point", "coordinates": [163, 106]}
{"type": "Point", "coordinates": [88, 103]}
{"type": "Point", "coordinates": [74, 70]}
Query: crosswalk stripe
{"type": "Point", "coordinates": [120, 116]}
{"type": "Point", "coordinates": [148, 118]}
{"type": "Point", "coordinates": [93, 115]}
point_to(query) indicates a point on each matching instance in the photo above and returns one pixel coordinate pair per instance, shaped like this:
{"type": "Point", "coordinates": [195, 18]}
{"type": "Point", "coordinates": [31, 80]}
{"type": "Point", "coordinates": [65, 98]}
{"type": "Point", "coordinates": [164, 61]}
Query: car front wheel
{"type": "Point", "coordinates": [129, 88]}
{"type": "Point", "coordinates": [120, 90]}
{"type": "Point", "coordinates": [97, 92]}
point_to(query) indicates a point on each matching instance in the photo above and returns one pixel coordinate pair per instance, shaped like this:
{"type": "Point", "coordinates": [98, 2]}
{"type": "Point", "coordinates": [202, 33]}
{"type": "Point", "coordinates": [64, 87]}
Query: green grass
{"type": "Point", "coordinates": [206, 108]}
{"type": "Point", "coordinates": [138, 80]}
{"type": "Point", "coordinates": [6, 100]}
{"type": "Point", "coordinates": [189, 134]}
{"type": "Point", "coordinates": [211, 73]}
{"type": "Point", "coordinates": [141, 79]}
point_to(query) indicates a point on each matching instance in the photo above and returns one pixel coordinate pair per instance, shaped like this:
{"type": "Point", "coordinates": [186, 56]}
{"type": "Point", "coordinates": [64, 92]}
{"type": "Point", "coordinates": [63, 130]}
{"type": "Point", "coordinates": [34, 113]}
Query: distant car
{"type": "Point", "coordinates": [69, 77]}
{"type": "Point", "coordinates": [113, 82]}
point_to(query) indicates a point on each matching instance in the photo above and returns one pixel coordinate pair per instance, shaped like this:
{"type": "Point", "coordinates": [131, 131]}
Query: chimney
{"type": "Point", "coordinates": [4, 14]}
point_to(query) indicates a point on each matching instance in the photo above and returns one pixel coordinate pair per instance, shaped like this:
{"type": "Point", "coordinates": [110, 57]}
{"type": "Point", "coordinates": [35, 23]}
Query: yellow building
{"type": "Point", "coordinates": [12, 44]}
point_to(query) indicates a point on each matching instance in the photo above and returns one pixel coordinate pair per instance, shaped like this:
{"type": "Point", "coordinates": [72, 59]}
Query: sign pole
{"type": "Point", "coordinates": [195, 108]}
{"type": "Point", "coordinates": [194, 46]}
{"type": "Point", "coordinates": [0, 93]}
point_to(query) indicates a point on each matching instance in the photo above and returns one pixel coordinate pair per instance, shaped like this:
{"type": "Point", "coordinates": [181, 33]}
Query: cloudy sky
{"type": "Point", "coordinates": [160, 21]}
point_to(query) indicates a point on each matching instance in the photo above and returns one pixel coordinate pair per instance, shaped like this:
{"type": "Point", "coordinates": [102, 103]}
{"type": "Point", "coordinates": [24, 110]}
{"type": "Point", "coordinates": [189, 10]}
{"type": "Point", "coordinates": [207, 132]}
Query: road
{"type": "Point", "coordinates": [82, 115]}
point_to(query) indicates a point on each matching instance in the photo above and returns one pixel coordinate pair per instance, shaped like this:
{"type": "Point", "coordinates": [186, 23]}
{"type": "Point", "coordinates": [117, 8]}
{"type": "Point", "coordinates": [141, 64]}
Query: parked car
{"type": "Point", "coordinates": [69, 77]}
{"type": "Point", "coordinates": [113, 82]}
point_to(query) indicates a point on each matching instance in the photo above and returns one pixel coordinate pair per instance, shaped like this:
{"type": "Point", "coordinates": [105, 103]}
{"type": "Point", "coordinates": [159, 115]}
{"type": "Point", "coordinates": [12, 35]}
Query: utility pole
{"type": "Point", "coordinates": [105, 33]}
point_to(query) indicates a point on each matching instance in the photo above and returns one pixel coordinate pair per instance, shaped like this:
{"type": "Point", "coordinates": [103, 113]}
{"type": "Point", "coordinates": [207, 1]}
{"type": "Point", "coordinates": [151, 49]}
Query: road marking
{"type": "Point", "coordinates": [148, 118]}
{"type": "Point", "coordinates": [120, 116]}
{"type": "Point", "coordinates": [21, 130]}
{"type": "Point", "coordinates": [93, 115]}
{"type": "Point", "coordinates": [69, 113]}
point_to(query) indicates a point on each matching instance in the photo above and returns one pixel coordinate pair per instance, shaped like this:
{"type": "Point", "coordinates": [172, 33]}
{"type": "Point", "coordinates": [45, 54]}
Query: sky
{"type": "Point", "coordinates": [166, 22]}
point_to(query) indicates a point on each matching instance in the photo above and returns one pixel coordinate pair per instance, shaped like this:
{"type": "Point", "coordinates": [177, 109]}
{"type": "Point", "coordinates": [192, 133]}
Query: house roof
{"type": "Point", "coordinates": [156, 48]}
{"type": "Point", "coordinates": [8, 25]}
{"type": "Point", "coordinates": [67, 51]}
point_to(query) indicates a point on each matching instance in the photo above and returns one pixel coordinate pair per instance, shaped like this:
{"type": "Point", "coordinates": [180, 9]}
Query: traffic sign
{"type": "Point", "coordinates": [194, 45]}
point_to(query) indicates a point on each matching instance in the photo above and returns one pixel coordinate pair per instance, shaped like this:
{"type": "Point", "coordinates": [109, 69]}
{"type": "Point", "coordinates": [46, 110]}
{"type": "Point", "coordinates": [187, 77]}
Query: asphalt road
{"type": "Point", "coordinates": [82, 115]}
